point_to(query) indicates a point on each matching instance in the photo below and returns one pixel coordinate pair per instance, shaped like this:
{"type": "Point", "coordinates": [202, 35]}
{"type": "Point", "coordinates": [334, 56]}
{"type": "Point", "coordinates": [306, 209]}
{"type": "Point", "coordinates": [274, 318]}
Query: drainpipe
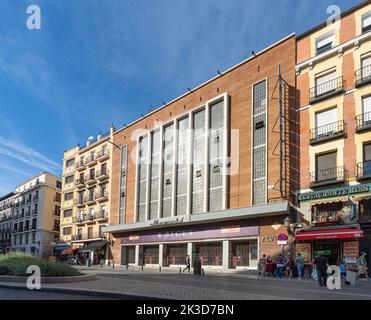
{"type": "Point", "coordinates": [280, 126]}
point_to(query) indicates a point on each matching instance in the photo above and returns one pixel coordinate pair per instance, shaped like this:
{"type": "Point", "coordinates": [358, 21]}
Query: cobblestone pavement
{"type": "Point", "coordinates": [213, 286]}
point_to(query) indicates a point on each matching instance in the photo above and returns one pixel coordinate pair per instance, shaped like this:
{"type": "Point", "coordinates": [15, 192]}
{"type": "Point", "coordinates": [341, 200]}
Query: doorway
{"type": "Point", "coordinates": [332, 251]}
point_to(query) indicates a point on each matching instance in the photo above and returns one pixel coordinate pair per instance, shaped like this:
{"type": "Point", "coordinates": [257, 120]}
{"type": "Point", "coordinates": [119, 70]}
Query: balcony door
{"type": "Point", "coordinates": [366, 110]}
{"type": "Point", "coordinates": [367, 159]}
{"type": "Point", "coordinates": [326, 122]}
{"type": "Point", "coordinates": [325, 83]}
{"type": "Point", "coordinates": [366, 67]}
{"type": "Point", "coordinates": [326, 168]}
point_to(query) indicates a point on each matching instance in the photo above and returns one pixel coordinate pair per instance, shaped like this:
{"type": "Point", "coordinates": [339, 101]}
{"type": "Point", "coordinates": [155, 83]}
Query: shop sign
{"type": "Point", "coordinates": [282, 242]}
{"type": "Point", "coordinates": [204, 231]}
{"type": "Point", "coordinates": [305, 250]}
{"type": "Point", "coordinates": [157, 222]}
{"type": "Point", "coordinates": [334, 193]}
{"type": "Point", "coordinates": [351, 249]}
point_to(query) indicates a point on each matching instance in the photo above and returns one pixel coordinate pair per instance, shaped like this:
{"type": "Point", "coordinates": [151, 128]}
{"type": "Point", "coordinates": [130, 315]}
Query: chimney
{"type": "Point", "coordinates": [90, 140]}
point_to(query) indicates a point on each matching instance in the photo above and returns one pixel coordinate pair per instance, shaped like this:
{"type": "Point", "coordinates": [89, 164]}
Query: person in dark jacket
{"type": "Point", "coordinates": [321, 264]}
{"type": "Point", "coordinates": [188, 264]}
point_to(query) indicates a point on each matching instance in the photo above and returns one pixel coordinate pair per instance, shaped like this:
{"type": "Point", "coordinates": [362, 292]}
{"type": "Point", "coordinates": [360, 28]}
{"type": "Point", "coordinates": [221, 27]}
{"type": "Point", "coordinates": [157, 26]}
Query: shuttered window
{"type": "Point", "coordinates": [326, 121]}
{"type": "Point", "coordinates": [367, 152]}
{"type": "Point", "coordinates": [366, 22]}
{"type": "Point", "coordinates": [325, 42]}
{"type": "Point", "coordinates": [325, 83]}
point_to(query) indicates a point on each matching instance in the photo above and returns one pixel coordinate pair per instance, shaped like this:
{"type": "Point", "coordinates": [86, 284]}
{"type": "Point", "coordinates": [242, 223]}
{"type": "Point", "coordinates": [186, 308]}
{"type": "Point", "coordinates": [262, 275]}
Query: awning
{"type": "Point", "coordinates": [94, 246]}
{"type": "Point", "coordinates": [329, 234]}
{"type": "Point", "coordinates": [69, 250]}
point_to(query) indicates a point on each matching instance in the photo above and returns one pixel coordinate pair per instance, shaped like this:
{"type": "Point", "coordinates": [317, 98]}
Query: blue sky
{"type": "Point", "coordinates": [97, 62]}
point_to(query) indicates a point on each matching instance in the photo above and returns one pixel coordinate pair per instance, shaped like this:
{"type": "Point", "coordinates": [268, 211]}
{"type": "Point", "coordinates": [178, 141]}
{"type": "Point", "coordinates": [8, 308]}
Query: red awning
{"type": "Point", "coordinates": [69, 250]}
{"type": "Point", "coordinates": [329, 234]}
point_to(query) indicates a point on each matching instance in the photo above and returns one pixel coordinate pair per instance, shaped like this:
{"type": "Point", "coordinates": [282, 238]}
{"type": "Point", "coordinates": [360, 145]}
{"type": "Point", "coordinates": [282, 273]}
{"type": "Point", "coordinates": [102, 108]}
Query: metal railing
{"type": "Point", "coordinates": [364, 170]}
{"type": "Point", "coordinates": [327, 89]}
{"type": "Point", "coordinates": [363, 121]}
{"type": "Point", "coordinates": [101, 214]}
{"type": "Point", "coordinates": [102, 194]}
{"type": "Point", "coordinates": [363, 76]}
{"type": "Point", "coordinates": [78, 201]}
{"type": "Point", "coordinates": [330, 175]}
{"type": "Point", "coordinates": [80, 181]}
{"type": "Point", "coordinates": [102, 173]}
{"type": "Point", "coordinates": [327, 131]}
{"type": "Point", "coordinates": [102, 154]}
{"type": "Point", "coordinates": [91, 158]}
{"type": "Point", "coordinates": [87, 236]}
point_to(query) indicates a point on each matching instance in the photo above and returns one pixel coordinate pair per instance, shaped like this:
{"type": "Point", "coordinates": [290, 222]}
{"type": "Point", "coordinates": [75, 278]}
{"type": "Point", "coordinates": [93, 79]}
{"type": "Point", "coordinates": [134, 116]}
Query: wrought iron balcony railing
{"type": "Point", "coordinates": [327, 132]}
{"type": "Point", "coordinates": [363, 76]}
{"type": "Point", "coordinates": [364, 170]}
{"type": "Point", "coordinates": [326, 90]}
{"type": "Point", "coordinates": [328, 176]}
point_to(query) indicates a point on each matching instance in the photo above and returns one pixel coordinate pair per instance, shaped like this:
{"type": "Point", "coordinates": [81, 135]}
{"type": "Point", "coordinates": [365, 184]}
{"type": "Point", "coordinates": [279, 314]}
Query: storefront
{"type": "Point", "coordinates": [336, 229]}
{"type": "Point", "coordinates": [232, 239]}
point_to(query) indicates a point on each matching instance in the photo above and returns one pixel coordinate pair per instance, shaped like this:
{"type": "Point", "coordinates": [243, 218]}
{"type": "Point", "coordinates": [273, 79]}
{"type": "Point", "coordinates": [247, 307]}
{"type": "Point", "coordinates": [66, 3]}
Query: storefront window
{"type": "Point", "coordinates": [365, 210]}
{"type": "Point", "coordinates": [325, 214]}
{"type": "Point", "coordinates": [211, 254]}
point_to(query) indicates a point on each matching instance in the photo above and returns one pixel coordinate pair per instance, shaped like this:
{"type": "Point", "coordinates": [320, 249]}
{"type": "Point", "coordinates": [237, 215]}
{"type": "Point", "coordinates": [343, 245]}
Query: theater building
{"type": "Point", "coordinates": [208, 174]}
{"type": "Point", "coordinates": [333, 81]}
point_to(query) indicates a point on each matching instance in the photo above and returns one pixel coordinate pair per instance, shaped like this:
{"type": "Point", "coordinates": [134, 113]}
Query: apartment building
{"type": "Point", "coordinates": [35, 227]}
{"type": "Point", "coordinates": [208, 174]}
{"type": "Point", "coordinates": [85, 197]}
{"type": "Point", "coordinates": [6, 213]}
{"type": "Point", "coordinates": [333, 70]}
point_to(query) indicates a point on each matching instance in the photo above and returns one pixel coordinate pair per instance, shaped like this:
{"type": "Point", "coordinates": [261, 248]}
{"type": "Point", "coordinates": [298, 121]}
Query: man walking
{"type": "Point", "coordinates": [321, 265]}
{"type": "Point", "coordinates": [362, 266]}
{"type": "Point", "coordinates": [188, 264]}
{"type": "Point", "coordinates": [300, 265]}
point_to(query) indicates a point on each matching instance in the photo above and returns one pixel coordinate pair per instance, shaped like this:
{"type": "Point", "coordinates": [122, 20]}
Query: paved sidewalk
{"type": "Point", "coordinates": [212, 286]}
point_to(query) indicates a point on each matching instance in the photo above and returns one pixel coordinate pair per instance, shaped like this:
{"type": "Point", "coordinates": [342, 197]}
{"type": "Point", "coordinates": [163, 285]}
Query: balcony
{"type": "Point", "coordinates": [363, 76]}
{"type": "Point", "coordinates": [90, 179]}
{"type": "Point", "coordinates": [87, 236]}
{"type": "Point", "coordinates": [88, 218]}
{"type": "Point", "coordinates": [326, 90]}
{"type": "Point", "coordinates": [328, 176]}
{"type": "Point", "coordinates": [79, 166]}
{"type": "Point", "coordinates": [89, 200]}
{"type": "Point", "coordinates": [80, 183]}
{"type": "Point", "coordinates": [78, 220]}
{"type": "Point", "coordinates": [102, 175]}
{"type": "Point", "coordinates": [363, 122]}
{"type": "Point", "coordinates": [328, 132]}
{"type": "Point", "coordinates": [363, 170]}
{"type": "Point", "coordinates": [91, 161]}
{"type": "Point", "coordinates": [101, 196]}
{"type": "Point", "coordinates": [102, 215]}
{"type": "Point", "coordinates": [27, 213]}
{"type": "Point", "coordinates": [35, 197]}
{"type": "Point", "coordinates": [34, 212]}
{"type": "Point", "coordinates": [79, 202]}
{"type": "Point", "coordinates": [103, 155]}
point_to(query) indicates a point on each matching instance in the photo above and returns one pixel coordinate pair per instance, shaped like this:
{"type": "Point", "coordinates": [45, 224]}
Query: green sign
{"type": "Point", "coordinates": [336, 192]}
{"type": "Point", "coordinates": [323, 252]}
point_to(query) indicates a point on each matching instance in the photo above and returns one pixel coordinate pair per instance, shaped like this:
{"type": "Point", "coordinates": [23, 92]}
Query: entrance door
{"type": "Point", "coordinates": [331, 251]}
{"type": "Point", "coordinates": [150, 254]}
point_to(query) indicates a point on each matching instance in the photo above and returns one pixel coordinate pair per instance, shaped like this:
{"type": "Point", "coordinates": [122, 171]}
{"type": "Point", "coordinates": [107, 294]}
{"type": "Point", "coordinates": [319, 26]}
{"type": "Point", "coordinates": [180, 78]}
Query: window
{"type": "Point", "coordinates": [67, 231]}
{"type": "Point", "coordinates": [326, 166]}
{"type": "Point", "coordinates": [366, 109]}
{"type": "Point", "coordinates": [143, 176]}
{"type": "Point", "coordinates": [67, 213]}
{"type": "Point", "coordinates": [366, 67]}
{"type": "Point", "coordinates": [259, 143]}
{"type": "Point", "coordinates": [90, 232]}
{"type": "Point", "coordinates": [68, 196]}
{"type": "Point", "coordinates": [326, 122]}
{"type": "Point", "coordinates": [59, 184]}
{"type": "Point", "coordinates": [91, 212]}
{"type": "Point", "coordinates": [366, 22]}
{"type": "Point", "coordinates": [325, 83]}
{"type": "Point", "coordinates": [325, 42]}
{"type": "Point", "coordinates": [70, 163]}
{"type": "Point", "coordinates": [123, 184]}
{"type": "Point", "coordinates": [155, 174]}
{"type": "Point", "coordinates": [68, 180]}
{"type": "Point", "coordinates": [168, 165]}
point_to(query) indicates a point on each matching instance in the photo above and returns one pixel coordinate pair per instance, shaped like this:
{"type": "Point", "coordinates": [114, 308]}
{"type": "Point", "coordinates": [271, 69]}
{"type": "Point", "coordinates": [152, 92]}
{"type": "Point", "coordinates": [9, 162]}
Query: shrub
{"type": "Point", "coordinates": [17, 264]}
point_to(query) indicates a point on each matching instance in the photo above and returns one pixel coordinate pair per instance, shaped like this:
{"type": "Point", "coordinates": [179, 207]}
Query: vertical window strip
{"type": "Point", "coordinates": [143, 176]}
{"type": "Point", "coordinates": [198, 172]}
{"type": "Point", "coordinates": [182, 167]}
{"type": "Point", "coordinates": [155, 174]}
{"type": "Point", "coordinates": [167, 174]}
{"type": "Point", "coordinates": [216, 146]}
{"type": "Point", "coordinates": [259, 160]}
{"type": "Point", "coordinates": [124, 156]}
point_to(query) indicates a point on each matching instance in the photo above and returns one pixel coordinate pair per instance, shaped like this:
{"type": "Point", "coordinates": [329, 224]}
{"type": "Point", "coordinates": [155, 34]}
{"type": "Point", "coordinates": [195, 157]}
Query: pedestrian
{"type": "Point", "coordinates": [362, 266]}
{"type": "Point", "coordinates": [262, 265]}
{"type": "Point", "coordinates": [321, 264]}
{"type": "Point", "coordinates": [269, 267]}
{"type": "Point", "coordinates": [300, 265]}
{"type": "Point", "coordinates": [342, 269]}
{"type": "Point", "coordinates": [188, 264]}
{"type": "Point", "coordinates": [280, 266]}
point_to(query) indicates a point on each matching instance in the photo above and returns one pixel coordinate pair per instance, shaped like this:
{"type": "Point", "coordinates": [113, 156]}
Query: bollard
{"type": "Point", "coordinates": [180, 270]}
{"type": "Point", "coordinates": [127, 266]}
{"type": "Point", "coordinates": [159, 268]}
{"type": "Point", "coordinates": [142, 267]}
{"type": "Point", "coordinates": [113, 265]}
{"type": "Point", "coordinates": [203, 272]}
{"type": "Point", "coordinates": [101, 265]}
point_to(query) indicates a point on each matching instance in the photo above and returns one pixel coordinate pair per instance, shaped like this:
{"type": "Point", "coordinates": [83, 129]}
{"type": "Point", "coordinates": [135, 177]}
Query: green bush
{"type": "Point", "coordinates": [17, 263]}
